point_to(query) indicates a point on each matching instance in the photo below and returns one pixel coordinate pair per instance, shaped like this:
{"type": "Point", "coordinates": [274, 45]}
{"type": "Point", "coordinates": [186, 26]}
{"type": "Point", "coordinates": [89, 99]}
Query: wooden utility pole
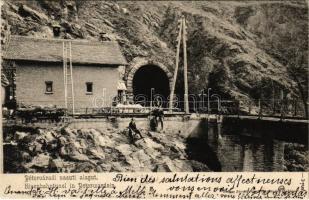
{"type": "Point", "coordinates": [64, 74]}
{"type": "Point", "coordinates": [72, 81]}
{"type": "Point", "coordinates": [181, 36]}
{"type": "Point", "coordinates": [177, 63]}
{"type": "Point", "coordinates": [68, 76]}
{"type": "Point", "coordinates": [185, 67]}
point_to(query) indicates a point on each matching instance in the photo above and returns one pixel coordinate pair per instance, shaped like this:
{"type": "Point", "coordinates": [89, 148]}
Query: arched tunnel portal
{"type": "Point", "coordinates": [148, 82]}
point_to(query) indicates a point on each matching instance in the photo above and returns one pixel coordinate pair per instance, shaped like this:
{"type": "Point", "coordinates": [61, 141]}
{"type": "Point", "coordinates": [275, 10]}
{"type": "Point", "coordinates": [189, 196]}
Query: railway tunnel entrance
{"type": "Point", "coordinates": [151, 84]}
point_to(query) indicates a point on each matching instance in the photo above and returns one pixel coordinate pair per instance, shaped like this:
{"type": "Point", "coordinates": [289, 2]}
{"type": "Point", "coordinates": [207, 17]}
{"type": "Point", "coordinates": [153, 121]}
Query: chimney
{"type": "Point", "coordinates": [104, 36]}
{"type": "Point", "coordinates": [56, 30]}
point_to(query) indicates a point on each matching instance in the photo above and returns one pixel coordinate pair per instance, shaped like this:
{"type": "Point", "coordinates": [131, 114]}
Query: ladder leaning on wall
{"type": "Point", "coordinates": [68, 77]}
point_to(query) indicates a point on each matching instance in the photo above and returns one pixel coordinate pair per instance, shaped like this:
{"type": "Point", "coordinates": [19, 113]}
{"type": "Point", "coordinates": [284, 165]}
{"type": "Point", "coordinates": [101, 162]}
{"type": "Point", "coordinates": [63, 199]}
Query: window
{"type": "Point", "coordinates": [48, 87]}
{"type": "Point", "coordinates": [89, 87]}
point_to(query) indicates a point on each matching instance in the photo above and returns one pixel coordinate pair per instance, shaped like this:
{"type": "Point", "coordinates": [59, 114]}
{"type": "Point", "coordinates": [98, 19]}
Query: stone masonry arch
{"type": "Point", "coordinates": [136, 64]}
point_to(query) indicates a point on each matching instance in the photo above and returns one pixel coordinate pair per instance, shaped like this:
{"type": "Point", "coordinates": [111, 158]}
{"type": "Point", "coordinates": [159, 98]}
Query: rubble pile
{"type": "Point", "coordinates": [91, 150]}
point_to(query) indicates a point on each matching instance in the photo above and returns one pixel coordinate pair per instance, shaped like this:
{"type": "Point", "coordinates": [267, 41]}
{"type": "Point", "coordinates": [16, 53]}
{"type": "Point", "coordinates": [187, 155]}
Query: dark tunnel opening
{"type": "Point", "coordinates": [146, 78]}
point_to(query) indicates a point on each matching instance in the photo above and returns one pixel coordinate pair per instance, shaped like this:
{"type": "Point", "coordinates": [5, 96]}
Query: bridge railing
{"type": "Point", "coordinates": [276, 108]}
{"type": "Point", "coordinates": [256, 107]}
{"type": "Point", "coordinates": [265, 107]}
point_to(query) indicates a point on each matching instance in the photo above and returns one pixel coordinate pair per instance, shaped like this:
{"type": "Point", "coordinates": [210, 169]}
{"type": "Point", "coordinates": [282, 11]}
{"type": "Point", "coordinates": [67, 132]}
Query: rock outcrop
{"type": "Point", "coordinates": [91, 150]}
{"type": "Point", "coordinates": [296, 157]}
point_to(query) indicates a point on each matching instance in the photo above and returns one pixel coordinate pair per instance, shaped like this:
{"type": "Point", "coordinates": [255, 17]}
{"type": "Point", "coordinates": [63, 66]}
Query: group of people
{"type": "Point", "coordinates": [157, 115]}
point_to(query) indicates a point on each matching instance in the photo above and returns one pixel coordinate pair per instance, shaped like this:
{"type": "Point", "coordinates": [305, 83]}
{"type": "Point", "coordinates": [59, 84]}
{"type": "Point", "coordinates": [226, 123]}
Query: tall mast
{"type": "Point", "coordinates": [176, 68]}
{"type": "Point", "coordinates": [185, 67]}
{"type": "Point", "coordinates": [72, 81]}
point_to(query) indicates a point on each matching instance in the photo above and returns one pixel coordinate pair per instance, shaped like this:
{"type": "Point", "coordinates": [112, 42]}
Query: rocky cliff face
{"type": "Point", "coordinates": [236, 48]}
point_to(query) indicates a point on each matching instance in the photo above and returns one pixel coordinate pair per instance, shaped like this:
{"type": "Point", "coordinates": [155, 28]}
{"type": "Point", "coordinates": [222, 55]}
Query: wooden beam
{"type": "Point", "coordinates": [64, 75]}
{"type": "Point", "coordinates": [176, 68]}
{"type": "Point", "coordinates": [72, 82]}
{"type": "Point", "coordinates": [185, 67]}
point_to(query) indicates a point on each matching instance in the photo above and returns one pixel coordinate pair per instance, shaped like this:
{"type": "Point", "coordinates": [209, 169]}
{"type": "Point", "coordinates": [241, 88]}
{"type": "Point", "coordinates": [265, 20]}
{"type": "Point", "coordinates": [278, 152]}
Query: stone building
{"type": "Point", "coordinates": [40, 76]}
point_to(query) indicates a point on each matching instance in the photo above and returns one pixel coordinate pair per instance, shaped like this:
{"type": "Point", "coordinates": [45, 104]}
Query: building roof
{"type": "Point", "coordinates": [51, 50]}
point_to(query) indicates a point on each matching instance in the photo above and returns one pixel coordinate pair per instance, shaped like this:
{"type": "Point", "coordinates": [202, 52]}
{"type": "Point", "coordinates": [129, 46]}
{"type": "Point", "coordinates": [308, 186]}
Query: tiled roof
{"type": "Point", "coordinates": [51, 50]}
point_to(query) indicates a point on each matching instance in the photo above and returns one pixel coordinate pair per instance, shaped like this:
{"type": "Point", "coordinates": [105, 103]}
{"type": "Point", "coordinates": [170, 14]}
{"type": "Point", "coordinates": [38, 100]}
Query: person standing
{"type": "Point", "coordinates": [158, 114]}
